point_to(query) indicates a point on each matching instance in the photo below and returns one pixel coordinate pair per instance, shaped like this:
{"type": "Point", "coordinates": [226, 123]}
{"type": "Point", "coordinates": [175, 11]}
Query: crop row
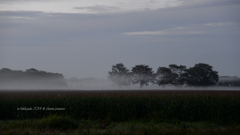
{"type": "Point", "coordinates": [185, 108]}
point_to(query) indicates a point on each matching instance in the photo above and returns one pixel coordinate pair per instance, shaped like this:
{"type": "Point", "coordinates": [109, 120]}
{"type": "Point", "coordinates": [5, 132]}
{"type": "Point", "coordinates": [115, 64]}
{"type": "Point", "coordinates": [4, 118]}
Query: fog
{"type": "Point", "coordinates": [30, 79]}
{"type": "Point", "coordinates": [96, 84]}
{"type": "Point", "coordinates": [40, 84]}
{"type": "Point", "coordinates": [33, 79]}
{"type": "Point", "coordinates": [104, 84]}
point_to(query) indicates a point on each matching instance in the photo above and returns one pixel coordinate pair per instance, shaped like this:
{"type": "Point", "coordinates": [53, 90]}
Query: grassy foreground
{"type": "Point", "coordinates": [120, 112]}
{"type": "Point", "coordinates": [54, 125]}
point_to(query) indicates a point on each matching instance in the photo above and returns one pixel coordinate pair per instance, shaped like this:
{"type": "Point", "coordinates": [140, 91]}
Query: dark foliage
{"type": "Point", "coordinates": [179, 72]}
{"type": "Point", "coordinates": [57, 122]}
{"type": "Point", "coordinates": [142, 74]}
{"type": "Point", "coordinates": [165, 77]}
{"type": "Point", "coordinates": [229, 81]}
{"type": "Point", "coordinates": [30, 78]}
{"type": "Point", "coordinates": [120, 75]}
{"type": "Point", "coordinates": [201, 75]}
{"type": "Point", "coordinates": [217, 107]}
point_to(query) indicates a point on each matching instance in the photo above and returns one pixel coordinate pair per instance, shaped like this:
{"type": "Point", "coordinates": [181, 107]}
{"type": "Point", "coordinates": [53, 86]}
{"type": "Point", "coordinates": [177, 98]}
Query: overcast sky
{"type": "Point", "coordinates": [85, 38]}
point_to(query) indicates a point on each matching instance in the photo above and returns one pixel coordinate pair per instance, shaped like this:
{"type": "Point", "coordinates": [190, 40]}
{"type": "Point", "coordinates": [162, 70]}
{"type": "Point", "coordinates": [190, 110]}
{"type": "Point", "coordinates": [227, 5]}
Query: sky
{"type": "Point", "coordinates": [85, 38]}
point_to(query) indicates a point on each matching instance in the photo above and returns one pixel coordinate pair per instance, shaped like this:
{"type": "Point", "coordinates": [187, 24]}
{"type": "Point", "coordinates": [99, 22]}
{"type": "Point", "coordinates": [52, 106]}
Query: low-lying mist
{"type": "Point", "coordinates": [105, 84]}
{"type": "Point", "coordinates": [101, 84]}
{"type": "Point", "coordinates": [33, 79]}
{"type": "Point", "coordinates": [30, 79]}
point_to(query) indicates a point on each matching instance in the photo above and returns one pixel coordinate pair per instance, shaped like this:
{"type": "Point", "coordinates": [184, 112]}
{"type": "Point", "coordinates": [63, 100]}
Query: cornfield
{"type": "Point", "coordinates": [118, 106]}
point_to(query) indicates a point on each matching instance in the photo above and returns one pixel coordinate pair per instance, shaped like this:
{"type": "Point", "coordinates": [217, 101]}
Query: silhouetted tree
{"type": "Point", "coordinates": [229, 81]}
{"type": "Point", "coordinates": [201, 75]}
{"type": "Point", "coordinates": [32, 70]}
{"type": "Point", "coordinates": [165, 76]}
{"type": "Point", "coordinates": [5, 70]}
{"type": "Point", "coordinates": [142, 74]}
{"type": "Point", "coordinates": [120, 75]}
{"type": "Point", "coordinates": [171, 76]}
{"type": "Point", "coordinates": [31, 78]}
{"type": "Point", "coordinates": [179, 72]}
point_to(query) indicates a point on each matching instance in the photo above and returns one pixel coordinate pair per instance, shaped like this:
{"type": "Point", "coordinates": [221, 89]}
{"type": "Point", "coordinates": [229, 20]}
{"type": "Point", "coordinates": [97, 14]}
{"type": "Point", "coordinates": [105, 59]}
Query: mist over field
{"type": "Point", "coordinates": [30, 79]}
{"type": "Point", "coordinates": [120, 78]}
{"type": "Point", "coordinates": [108, 85]}
{"type": "Point", "coordinates": [95, 84]}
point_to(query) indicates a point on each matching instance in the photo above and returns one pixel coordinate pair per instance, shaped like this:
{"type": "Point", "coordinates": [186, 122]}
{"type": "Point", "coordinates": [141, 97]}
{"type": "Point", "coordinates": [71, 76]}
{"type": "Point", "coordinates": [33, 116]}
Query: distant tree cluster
{"type": "Point", "coordinates": [30, 78]}
{"type": "Point", "coordinates": [229, 81]}
{"type": "Point", "coordinates": [200, 75]}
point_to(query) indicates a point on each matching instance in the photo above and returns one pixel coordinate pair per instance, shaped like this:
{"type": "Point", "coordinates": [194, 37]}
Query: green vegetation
{"type": "Point", "coordinates": [57, 122]}
{"type": "Point", "coordinates": [98, 127]}
{"type": "Point", "coordinates": [190, 107]}
{"type": "Point", "coordinates": [129, 113]}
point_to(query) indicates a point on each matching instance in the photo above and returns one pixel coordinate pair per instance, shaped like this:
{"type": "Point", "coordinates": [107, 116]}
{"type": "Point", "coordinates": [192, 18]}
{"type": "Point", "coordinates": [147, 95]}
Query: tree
{"type": "Point", "coordinates": [171, 76]}
{"type": "Point", "coordinates": [120, 75]}
{"type": "Point", "coordinates": [31, 78]}
{"type": "Point", "coordinates": [142, 74]}
{"type": "Point", "coordinates": [165, 76]}
{"type": "Point", "coordinates": [32, 70]}
{"type": "Point", "coordinates": [5, 70]}
{"type": "Point", "coordinates": [201, 75]}
{"type": "Point", "coordinates": [179, 72]}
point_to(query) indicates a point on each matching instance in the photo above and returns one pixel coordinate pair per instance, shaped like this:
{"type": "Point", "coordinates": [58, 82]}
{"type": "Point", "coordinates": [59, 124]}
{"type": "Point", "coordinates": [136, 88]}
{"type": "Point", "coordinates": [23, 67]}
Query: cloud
{"type": "Point", "coordinates": [85, 45]}
{"type": "Point", "coordinates": [210, 3]}
{"type": "Point", "coordinates": [197, 29]}
{"type": "Point", "coordinates": [166, 21]}
{"type": "Point", "coordinates": [172, 31]}
{"type": "Point", "coordinates": [221, 24]}
{"type": "Point", "coordinates": [93, 6]}
{"type": "Point", "coordinates": [26, 1]}
{"type": "Point", "coordinates": [98, 9]}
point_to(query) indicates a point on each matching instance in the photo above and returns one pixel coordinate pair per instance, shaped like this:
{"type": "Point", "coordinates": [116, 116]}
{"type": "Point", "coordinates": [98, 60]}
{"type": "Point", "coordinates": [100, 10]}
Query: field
{"type": "Point", "coordinates": [119, 112]}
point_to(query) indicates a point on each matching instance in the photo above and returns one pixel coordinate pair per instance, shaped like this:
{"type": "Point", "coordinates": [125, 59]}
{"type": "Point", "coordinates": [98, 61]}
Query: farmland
{"type": "Point", "coordinates": [106, 109]}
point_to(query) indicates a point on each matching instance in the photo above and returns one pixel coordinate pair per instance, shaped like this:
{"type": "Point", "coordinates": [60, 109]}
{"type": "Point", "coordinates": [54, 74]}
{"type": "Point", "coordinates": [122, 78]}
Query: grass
{"type": "Point", "coordinates": [88, 127]}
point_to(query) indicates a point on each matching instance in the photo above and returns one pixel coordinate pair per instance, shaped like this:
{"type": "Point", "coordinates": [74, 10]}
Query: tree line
{"type": "Point", "coordinates": [30, 78]}
{"type": "Point", "coordinates": [229, 81]}
{"type": "Point", "coordinates": [180, 76]}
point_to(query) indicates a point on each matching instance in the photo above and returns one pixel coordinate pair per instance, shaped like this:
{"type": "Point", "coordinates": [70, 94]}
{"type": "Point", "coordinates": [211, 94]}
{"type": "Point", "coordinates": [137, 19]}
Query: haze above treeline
{"type": "Point", "coordinates": [140, 76]}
